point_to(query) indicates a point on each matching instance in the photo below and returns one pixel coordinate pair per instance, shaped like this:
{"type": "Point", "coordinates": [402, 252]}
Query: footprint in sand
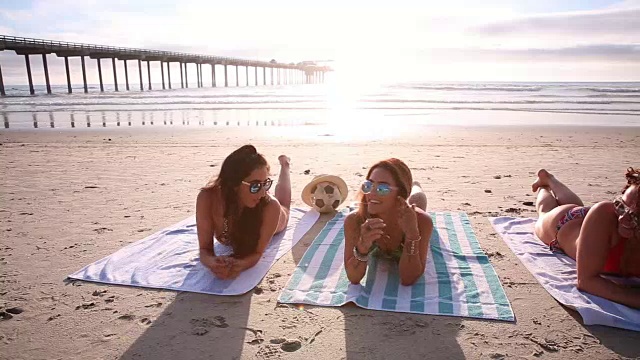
{"type": "Point", "coordinates": [269, 352]}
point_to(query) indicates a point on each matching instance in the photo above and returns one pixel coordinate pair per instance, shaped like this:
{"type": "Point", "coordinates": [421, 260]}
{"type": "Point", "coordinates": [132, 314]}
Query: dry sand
{"type": "Point", "coordinates": [74, 196]}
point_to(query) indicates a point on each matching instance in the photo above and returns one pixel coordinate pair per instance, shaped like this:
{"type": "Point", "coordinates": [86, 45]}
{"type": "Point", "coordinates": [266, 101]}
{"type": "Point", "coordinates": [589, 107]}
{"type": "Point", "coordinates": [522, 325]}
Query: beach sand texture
{"type": "Point", "coordinates": [71, 197]}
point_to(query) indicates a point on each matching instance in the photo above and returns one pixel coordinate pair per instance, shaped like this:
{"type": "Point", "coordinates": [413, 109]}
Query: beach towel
{"type": "Point", "coordinates": [169, 259]}
{"type": "Point", "coordinates": [458, 279]}
{"type": "Point", "coordinates": [557, 274]}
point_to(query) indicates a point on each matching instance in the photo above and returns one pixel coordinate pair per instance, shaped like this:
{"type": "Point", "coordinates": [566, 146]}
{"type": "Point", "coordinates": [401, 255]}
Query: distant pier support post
{"type": "Point", "coordinates": [201, 76]}
{"type": "Point", "coordinates": [2, 92]}
{"type": "Point", "coordinates": [264, 75]}
{"type": "Point", "coordinates": [246, 68]}
{"type": "Point", "coordinates": [197, 75]}
{"type": "Point", "coordinates": [213, 74]}
{"type": "Point", "coordinates": [66, 66]}
{"type": "Point", "coordinates": [181, 76]}
{"type": "Point", "coordinates": [271, 76]}
{"type": "Point", "coordinates": [84, 75]}
{"type": "Point", "coordinates": [162, 73]}
{"type": "Point", "coordinates": [149, 73]}
{"type": "Point", "coordinates": [46, 73]}
{"type": "Point", "coordinates": [100, 74]}
{"type": "Point", "coordinates": [26, 60]}
{"type": "Point", "coordinates": [278, 71]}
{"type": "Point", "coordinates": [169, 74]}
{"type": "Point", "coordinates": [256, 75]}
{"type": "Point", "coordinates": [126, 75]}
{"type": "Point", "coordinates": [226, 76]}
{"type": "Point", "coordinates": [140, 74]}
{"type": "Point", "coordinates": [186, 75]}
{"type": "Point", "coordinates": [115, 73]}
{"type": "Point", "coordinates": [237, 77]}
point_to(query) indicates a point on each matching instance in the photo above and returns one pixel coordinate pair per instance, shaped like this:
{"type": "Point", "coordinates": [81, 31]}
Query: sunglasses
{"type": "Point", "coordinates": [622, 209]}
{"type": "Point", "coordinates": [383, 189]}
{"type": "Point", "coordinates": [257, 185]}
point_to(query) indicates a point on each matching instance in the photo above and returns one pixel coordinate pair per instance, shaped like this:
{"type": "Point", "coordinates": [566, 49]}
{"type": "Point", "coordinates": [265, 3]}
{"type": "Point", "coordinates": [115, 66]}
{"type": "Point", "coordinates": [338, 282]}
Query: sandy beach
{"type": "Point", "coordinates": [70, 197]}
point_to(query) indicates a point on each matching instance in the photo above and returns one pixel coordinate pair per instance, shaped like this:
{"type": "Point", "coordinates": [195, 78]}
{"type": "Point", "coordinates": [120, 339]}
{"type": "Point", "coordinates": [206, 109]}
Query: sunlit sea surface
{"type": "Point", "coordinates": [351, 107]}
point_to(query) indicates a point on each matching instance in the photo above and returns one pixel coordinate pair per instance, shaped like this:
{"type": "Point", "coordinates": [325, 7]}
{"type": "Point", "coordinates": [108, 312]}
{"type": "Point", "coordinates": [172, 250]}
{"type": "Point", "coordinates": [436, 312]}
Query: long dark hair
{"type": "Point", "coordinates": [401, 175]}
{"type": "Point", "coordinates": [631, 246]}
{"type": "Point", "coordinates": [244, 223]}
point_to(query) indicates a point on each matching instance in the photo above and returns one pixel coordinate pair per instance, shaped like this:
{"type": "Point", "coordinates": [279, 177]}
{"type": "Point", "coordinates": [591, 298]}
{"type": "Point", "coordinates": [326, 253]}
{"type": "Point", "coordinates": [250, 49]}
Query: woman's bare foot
{"type": "Point", "coordinates": [544, 179]}
{"type": "Point", "coordinates": [285, 161]}
{"type": "Point", "coordinates": [418, 197]}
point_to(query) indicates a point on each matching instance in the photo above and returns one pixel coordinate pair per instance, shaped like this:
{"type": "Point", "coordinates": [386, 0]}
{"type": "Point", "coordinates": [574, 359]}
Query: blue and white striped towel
{"type": "Point", "coordinates": [458, 279]}
{"type": "Point", "coordinates": [169, 259]}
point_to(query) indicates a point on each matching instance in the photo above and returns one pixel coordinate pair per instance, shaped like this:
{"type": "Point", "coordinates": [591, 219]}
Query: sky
{"type": "Point", "coordinates": [453, 40]}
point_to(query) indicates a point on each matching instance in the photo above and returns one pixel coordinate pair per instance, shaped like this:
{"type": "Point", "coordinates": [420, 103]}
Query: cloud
{"type": "Point", "coordinates": [577, 54]}
{"type": "Point", "coordinates": [373, 34]}
{"type": "Point", "coordinates": [617, 25]}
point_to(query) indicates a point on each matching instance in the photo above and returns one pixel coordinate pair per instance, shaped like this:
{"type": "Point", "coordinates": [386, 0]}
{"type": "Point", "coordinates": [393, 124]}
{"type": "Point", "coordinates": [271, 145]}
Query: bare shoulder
{"type": "Point", "coordinates": [603, 211]}
{"type": "Point", "coordinates": [352, 220]}
{"type": "Point", "coordinates": [423, 217]}
{"type": "Point", "coordinates": [205, 199]}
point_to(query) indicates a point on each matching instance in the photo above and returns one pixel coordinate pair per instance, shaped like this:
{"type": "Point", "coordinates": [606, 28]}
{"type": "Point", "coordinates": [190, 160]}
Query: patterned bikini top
{"type": "Point", "coordinates": [224, 237]}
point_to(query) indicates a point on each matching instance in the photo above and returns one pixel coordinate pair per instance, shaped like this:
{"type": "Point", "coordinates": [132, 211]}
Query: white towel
{"type": "Point", "coordinates": [557, 274]}
{"type": "Point", "coordinates": [169, 259]}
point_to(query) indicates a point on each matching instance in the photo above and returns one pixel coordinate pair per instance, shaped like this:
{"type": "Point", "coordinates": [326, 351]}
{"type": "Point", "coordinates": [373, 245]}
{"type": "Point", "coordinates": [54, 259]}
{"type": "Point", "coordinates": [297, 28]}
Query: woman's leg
{"type": "Point", "coordinates": [283, 192]}
{"type": "Point", "coordinates": [550, 203]}
{"type": "Point", "coordinates": [560, 191]}
{"type": "Point", "coordinates": [418, 196]}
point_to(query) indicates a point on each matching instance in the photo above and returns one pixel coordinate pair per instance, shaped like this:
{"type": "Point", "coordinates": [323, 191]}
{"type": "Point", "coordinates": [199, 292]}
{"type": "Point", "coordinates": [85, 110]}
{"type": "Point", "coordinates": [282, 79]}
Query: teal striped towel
{"type": "Point", "coordinates": [458, 280]}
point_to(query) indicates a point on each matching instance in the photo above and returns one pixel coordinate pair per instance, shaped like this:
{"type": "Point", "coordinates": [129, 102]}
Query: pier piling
{"type": "Point", "coordinates": [46, 73]}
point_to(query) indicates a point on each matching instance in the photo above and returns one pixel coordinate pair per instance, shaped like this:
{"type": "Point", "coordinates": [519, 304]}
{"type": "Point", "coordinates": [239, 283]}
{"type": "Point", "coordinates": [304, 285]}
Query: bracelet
{"type": "Point", "coordinates": [412, 245]}
{"type": "Point", "coordinates": [359, 256]}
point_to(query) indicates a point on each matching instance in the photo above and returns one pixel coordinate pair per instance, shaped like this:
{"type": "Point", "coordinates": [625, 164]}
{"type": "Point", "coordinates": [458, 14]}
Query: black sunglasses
{"type": "Point", "coordinates": [257, 185]}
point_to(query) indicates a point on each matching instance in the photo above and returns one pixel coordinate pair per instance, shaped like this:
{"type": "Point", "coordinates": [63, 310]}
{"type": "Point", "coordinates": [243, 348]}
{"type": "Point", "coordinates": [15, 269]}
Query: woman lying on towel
{"type": "Point", "coordinates": [603, 238]}
{"type": "Point", "coordinates": [238, 211]}
{"type": "Point", "coordinates": [386, 224]}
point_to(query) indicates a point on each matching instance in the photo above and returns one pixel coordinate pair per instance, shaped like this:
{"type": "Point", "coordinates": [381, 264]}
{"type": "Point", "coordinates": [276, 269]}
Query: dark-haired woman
{"type": "Point", "coordinates": [390, 222]}
{"type": "Point", "coordinates": [603, 238]}
{"type": "Point", "coordinates": [238, 211]}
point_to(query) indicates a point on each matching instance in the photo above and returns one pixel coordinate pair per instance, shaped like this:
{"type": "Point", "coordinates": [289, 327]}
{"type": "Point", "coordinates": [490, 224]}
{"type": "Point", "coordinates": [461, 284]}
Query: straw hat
{"type": "Point", "coordinates": [307, 192]}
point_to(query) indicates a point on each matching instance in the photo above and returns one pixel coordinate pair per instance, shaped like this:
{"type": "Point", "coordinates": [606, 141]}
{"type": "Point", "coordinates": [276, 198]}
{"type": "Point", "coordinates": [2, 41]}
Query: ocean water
{"type": "Point", "coordinates": [426, 103]}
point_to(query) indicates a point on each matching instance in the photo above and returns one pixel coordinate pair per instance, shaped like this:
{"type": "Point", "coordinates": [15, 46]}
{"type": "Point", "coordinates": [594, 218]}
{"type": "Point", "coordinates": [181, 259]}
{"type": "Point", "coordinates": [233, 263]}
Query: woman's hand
{"type": "Point", "coordinates": [370, 232]}
{"type": "Point", "coordinates": [220, 266]}
{"type": "Point", "coordinates": [407, 219]}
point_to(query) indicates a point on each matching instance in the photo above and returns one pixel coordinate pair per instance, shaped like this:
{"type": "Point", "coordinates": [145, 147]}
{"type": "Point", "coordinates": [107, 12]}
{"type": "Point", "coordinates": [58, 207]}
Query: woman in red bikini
{"type": "Point", "coordinates": [238, 211]}
{"type": "Point", "coordinates": [603, 238]}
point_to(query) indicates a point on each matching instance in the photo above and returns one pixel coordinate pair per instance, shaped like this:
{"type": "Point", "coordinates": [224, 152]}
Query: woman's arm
{"type": "Point", "coordinates": [354, 268]}
{"type": "Point", "coordinates": [270, 220]}
{"type": "Point", "coordinates": [205, 227]}
{"type": "Point", "coordinates": [411, 266]}
{"type": "Point", "coordinates": [593, 247]}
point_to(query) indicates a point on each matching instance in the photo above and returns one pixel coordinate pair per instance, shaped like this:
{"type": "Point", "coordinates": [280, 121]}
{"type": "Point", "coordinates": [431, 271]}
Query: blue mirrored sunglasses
{"type": "Point", "coordinates": [256, 185]}
{"type": "Point", "coordinates": [382, 189]}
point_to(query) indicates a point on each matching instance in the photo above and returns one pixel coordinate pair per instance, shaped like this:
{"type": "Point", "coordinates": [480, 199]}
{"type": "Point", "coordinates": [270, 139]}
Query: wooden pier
{"type": "Point", "coordinates": [301, 73]}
